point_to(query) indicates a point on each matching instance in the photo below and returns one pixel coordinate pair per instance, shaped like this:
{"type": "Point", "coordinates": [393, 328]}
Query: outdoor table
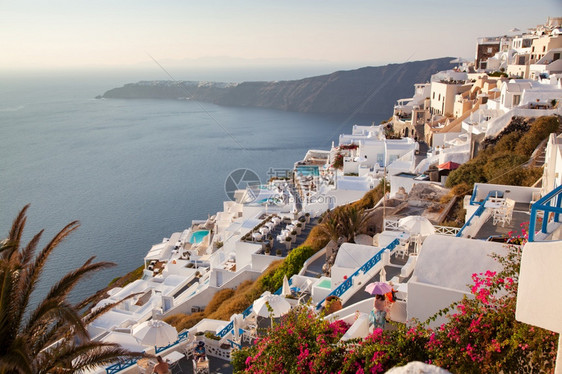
{"type": "Point", "coordinates": [493, 204]}
{"type": "Point", "coordinates": [173, 357]}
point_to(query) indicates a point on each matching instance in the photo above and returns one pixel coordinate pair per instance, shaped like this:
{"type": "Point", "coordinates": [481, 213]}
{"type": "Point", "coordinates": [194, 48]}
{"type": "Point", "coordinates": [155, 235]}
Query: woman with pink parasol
{"type": "Point", "coordinates": [378, 315]}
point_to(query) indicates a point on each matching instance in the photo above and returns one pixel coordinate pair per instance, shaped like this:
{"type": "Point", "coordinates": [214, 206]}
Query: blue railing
{"type": "Point", "coordinates": [228, 328]}
{"type": "Point", "coordinates": [480, 209]}
{"type": "Point", "coordinates": [120, 366]}
{"type": "Point", "coordinates": [125, 364]}
{"type": "Point", "coordinates": [550, 203]}
{"type": "Point", "coordinates": [348, 283]}
{"type": "Point", "coordinates": [181, 337]}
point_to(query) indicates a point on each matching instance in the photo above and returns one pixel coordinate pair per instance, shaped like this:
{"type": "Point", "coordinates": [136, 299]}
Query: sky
{"type": "Point", "coordinates": [76, 34]}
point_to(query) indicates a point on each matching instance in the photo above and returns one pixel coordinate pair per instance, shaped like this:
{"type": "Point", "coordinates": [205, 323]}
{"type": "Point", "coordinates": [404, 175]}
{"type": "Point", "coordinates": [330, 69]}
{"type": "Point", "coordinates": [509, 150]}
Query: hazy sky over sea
{"type": "Point", "coordinates": [38, 34]}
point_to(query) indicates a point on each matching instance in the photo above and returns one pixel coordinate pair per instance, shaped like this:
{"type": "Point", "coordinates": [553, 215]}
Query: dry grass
{"type": "Point", "coordinates": [226, 302]}
{"type": "Point", "coordinates": [184, 321]}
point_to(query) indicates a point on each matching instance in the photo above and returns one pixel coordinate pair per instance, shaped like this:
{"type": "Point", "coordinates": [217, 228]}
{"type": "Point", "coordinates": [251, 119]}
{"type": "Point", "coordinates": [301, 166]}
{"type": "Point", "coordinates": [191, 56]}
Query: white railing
{"type": "Point", "coordinates": [393, 225]}
{"type": "Point", "coordinates": [447, 230]}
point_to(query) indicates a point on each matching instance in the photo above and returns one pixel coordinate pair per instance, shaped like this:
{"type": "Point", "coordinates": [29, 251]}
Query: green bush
{"type": "Point", "coordinates": [495, 163]}
{"type": "Point", "coordinates": [508, 142]}
{"type": "Point", "coordinates": [292, 265]}
{"type": "Point", "coordinates": [470, 172]}
{"type": "Point", "coordinates": [505, 168]}
{"type": "Point", "coordinates": [540, 129]}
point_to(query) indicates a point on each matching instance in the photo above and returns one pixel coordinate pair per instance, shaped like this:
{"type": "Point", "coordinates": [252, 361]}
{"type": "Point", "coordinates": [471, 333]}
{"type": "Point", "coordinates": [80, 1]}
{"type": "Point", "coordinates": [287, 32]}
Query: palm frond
{"type": "Point", "coordinates": [14, 237]}
{"type": "Point", "coordinates": [106, 308]}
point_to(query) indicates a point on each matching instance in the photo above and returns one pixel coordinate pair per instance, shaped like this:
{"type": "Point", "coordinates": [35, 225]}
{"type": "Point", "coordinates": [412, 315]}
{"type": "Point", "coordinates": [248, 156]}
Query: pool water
{"type": "Point", "coordinates": [308, 170]}
{"type": "Point", "coordinates": [325, 283]}
{"type": "Point", "coordinates": [197, 236]}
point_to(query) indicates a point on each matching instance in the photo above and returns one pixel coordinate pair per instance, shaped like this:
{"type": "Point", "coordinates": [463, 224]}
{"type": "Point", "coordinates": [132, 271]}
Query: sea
{"type": "Point", "coordinates": [133, 171]}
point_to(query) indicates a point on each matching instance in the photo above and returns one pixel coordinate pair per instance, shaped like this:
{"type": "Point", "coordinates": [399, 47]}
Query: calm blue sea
{"type": "Point", "coordinates": [132, 171]}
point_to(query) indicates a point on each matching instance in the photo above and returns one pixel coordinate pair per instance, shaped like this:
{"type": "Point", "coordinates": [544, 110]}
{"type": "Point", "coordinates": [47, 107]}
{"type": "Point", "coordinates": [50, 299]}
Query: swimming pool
{"type": "Point", "coordinates": [197, 236]}
{"type": "Point", "coordinates": [308, 170]}
{"type": "Point", "coordinates": [325, 283]}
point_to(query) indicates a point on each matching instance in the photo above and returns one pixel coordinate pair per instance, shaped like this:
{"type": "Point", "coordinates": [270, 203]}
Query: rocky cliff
{"type": "Point", "coordinates": [362, 91]}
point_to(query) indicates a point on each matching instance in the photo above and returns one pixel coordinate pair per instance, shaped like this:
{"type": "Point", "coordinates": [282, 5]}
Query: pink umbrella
{"type": "Point", "coordinates": [378, 288]}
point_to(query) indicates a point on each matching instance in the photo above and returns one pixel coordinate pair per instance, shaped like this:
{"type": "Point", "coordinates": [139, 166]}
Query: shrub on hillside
{"type": "Point", "coordinates": [540, 129]}
{"type": "Point", "coordinates": [505, 168]}
{"type": "Point", "coordinates": [508, 142]}
{"type": "Point", "coordinates": [218, 299]}
{"type": "Point", "coordinates": [184, 321]}
{"type": "Point", "coordinates": [290, 266]}
{"type": "Point", "coordinates": [470, 172]}
{"type": "Point", "coordinates": [373, 196]}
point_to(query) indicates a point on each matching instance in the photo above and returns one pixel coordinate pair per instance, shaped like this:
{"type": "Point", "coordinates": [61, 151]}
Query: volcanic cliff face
{"type": "Point", "coordinates": [363, 91]}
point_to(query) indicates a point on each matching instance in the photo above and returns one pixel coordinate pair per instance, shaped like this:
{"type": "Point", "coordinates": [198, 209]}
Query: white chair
{"type": "Point", "coordinates": [201, 367]}
{"type": "Point", "coordinates": [402, 248]}
{"type": "Point", "coordinates": [504, 214]}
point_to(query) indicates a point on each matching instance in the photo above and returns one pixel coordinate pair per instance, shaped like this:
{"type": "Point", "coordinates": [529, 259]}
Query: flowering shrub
{"type": "Point", "coordinates": [300, 343]}
{"type": "Point", "coordinates": [481, 336]}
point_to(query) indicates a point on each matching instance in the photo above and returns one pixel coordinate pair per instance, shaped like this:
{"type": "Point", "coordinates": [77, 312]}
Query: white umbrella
{"type": "Point", "coordinates": [286, 290]}
{"type": "Point", "coordinates": [417, 225]}
{"type": "Point", "coordinates": [278, 305]}
{"type": "Point", "coordinates": [155, 332]}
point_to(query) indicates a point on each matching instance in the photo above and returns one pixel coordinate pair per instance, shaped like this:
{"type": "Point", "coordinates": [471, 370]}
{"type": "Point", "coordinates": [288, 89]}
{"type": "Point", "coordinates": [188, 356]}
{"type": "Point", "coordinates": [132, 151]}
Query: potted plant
{"type": "Point", "coordinates": [332, 304]}
{"type": "Point", "coordinates": [267, 249]}
{"type": "Point", "coordinates": [270, 238]}
{"type": "Point", "coordinates": [293, 235]}
{"type": "Point", "coordinates": [288, 241]}
{"type": "Point", "coordinates": [279, 252]}
{"type": "Point", "coordinates": [299, 228]}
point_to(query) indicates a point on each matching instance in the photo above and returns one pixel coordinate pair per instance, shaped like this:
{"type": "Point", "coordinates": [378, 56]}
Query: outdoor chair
{"type": "Point", "coordinates": [402, 248]}
{"type": "Point", "coordinates": [504, 214]}
{"type": "Point", "coordinates": [201, 367]}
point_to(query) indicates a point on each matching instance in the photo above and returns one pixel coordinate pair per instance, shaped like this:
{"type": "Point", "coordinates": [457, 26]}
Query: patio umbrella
{"type": "Point", "coordinates": [449, 165]}
{"type": "Point", "coordinates": [155, 332]}
{"type": "Point", "coordinates": [378, 288]}
{"type": "Point", "coordinates": [278, 304]}
{"type": "Point", "coordinates": [286, 290]}
{"type": "Point", "coordinates": [417, 225]}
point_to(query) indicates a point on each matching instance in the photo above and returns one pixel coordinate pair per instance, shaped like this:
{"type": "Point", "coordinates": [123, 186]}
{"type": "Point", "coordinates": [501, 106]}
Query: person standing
{"type": "Point", "coordinates": [161, 367]}
{"type": "Point", "coordinates": [377, 317]}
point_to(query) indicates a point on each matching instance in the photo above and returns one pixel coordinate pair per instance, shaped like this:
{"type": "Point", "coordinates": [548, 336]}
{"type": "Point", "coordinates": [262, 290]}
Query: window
{"type": "Point", "coordinates": [380, 159]}
{"type": "Point", "coordinates": [521, 60]}
{"type": "Point", "coordinates": [533, 49]}
{"type": "Point", "coordinates": [489, 49]}
{"type": "Point", "coordinates": [555, 56]}
{"type": "Point", "coordinates": [439, 99]}
{"type": "Point", "coordinates": [544, 48]}
{"type": "Point", "coordinates": [516, 100]}
{"type": "Point", "coordinates": [434, 94]}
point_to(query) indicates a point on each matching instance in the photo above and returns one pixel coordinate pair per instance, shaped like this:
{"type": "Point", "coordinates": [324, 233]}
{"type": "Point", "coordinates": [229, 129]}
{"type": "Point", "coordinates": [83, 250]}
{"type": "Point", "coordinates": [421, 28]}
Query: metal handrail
{"type": "Point", "coordinates": [115, 368]}
{"type": "Point", "coordinates": [348, 283]}
{"type": "Point", "coordinates": [550, 203]}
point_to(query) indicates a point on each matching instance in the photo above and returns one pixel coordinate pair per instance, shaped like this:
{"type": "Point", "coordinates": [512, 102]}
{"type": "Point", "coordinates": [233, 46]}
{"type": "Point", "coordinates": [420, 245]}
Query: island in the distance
{"type": "Point", "coordinates": [363, 91]}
